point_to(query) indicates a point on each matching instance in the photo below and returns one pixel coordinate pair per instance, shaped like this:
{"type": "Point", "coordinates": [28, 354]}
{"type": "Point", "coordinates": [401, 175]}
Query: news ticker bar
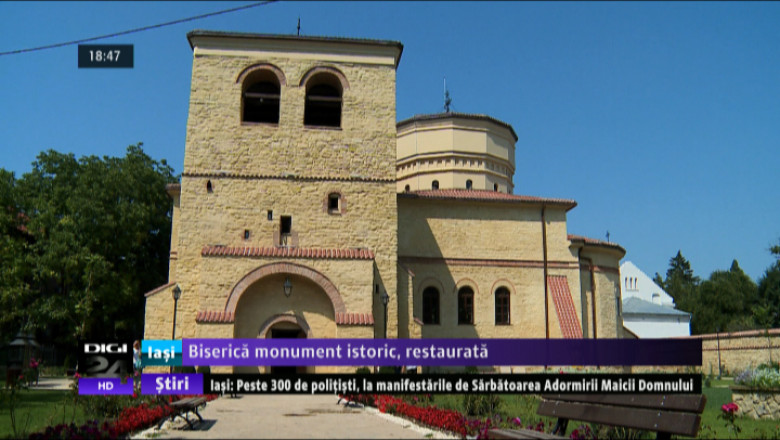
{"type": "Point", "coordinates": [421, 352]}
{"type": "Point", "coordinates": [578, 383]}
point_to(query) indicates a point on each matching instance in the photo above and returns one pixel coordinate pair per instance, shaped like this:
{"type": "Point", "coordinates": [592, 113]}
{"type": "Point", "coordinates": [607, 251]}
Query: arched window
{"type": "Point", "coordinates": [435, 184]}
{"type": "Point", "coordinates": [209, 187]}
{"type": "Point", "coordinates": [495, 187]}
{"type": "Point", "coordinates": [323, 100]}
{"type": "Point", "coordinates": [430, 310]}
{"type": "Point", "coordinates": [465, 305]}
{"type": "Point", "coordinates": [406, 188]}
{"type": "Point", "coordinates": [502, 306]}
{"type": "Point", "coordinates": [469, 184]}
{"type": "Point", "coordinates": [260, 98]}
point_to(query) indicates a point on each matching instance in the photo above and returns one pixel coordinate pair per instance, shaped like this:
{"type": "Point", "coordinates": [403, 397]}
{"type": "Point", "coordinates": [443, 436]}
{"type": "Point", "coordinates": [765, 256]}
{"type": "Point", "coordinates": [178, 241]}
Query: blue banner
{"type": "Point", "coordinates": [440, 352]}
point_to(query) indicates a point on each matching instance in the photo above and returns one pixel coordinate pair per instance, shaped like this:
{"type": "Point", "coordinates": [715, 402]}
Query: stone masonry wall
{"type": "Point", "coordinates": [288, 169]}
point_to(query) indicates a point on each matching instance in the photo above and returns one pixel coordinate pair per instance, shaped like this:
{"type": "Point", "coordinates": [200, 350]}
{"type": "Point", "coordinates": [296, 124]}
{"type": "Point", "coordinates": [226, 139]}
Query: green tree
{"type": "Point", "coordinates": [99, 235]}
{"type": "Point", "coordinates": [769, 292]}
{"type": "Point", "coordinates": [680, 283]}
{"type": "Point", "coordinates": [14, 291]}
{"type": "Point", "coordinates": [725, 302]}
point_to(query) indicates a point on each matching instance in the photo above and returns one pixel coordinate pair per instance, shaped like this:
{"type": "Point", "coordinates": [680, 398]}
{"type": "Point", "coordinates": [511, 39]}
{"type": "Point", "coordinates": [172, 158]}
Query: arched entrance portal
{"type": "Point", "coordinates": [263, 308]}
{"type": "Point", "coordinates": [286, 326]}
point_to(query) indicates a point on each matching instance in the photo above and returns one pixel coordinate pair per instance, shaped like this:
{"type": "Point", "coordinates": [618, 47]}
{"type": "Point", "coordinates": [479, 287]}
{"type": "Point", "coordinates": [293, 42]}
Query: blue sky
{"type": "Point", "coordinates": [662, 119]}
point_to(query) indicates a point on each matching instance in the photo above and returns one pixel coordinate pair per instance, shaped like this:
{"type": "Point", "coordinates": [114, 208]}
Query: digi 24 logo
{"type": "Point", "coordinates": [105, 359]}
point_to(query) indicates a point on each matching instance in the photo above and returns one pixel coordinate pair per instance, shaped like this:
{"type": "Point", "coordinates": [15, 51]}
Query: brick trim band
{"type": "Point", "coordinates": [487, 262]}
{"type": "Point", "coordinates": [283, 252]}
{"type": "Point", "coordinates": [361, 179]}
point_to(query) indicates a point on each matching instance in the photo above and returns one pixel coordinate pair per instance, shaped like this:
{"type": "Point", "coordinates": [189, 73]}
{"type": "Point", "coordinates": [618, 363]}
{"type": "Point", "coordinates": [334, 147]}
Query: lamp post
{"type": "Point", "coordinates": [717, 336]}
{"type": "Point", "coordinates": [385, 300]}
{"type": "Point", "coordinates": [176, 295]}
{"type": "Point", "coordinates": [287, 287]}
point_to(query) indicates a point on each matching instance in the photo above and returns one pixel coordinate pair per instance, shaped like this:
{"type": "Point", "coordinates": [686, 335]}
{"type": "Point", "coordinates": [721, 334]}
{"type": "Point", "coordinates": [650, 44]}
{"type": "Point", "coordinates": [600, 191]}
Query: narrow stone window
{"type": "Point", "coordinates": [502, 306]}
{"type": "Point", "coordinates": [435, 184]}
{"type": "Point", "coordinates": [466, 305]}
{"type": "Point", "coordinates": [246, 234]}
{"type": "Point", "coordinates": [285, 230]}
{"type": "Point", "coordinates": [406, 188]}
{"type": "Point", "coordinates": [270, 215]}
{"type": "Point", "coordinates": [430, 306]}
{"type": "Point", "coordinates": [209, 187]}
{"type": "Point", "coordinates": [334, 203]}
{"type": "Point", "coordinates": [286, 224]}
{"type": "Point", "coordinates": [323, 101]}
{"type": "Point", "coordinates": [495, 187]}
{"type": "Point", "coordinates": [469, 184]}
{"type": "Point", "coordinates": [261, 98]}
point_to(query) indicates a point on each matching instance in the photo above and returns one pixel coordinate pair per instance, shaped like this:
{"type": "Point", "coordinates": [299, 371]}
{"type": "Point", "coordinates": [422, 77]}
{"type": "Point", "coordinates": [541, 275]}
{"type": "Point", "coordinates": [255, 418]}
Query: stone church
{"type": "Point", "coordinates": [306, 211]}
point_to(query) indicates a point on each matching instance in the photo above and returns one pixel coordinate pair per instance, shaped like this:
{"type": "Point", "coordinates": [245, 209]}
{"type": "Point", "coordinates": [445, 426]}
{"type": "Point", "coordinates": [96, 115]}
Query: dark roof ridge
{"type": "Point", "coordinates": [445, 115]}
{"type": "Point", "coordinates": [594, 241]}
{"type": "Point", "coordinates": [483, 195]}
{"type": "Point", "coordinates": [366, 41]}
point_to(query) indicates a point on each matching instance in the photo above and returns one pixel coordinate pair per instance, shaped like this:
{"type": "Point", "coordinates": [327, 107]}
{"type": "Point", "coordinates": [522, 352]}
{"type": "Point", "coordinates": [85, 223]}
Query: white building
{"type": "Point", "coordinates": [648, 311]}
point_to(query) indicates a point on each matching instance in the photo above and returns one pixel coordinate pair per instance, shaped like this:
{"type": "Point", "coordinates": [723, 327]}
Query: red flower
{"type": "Point", "coordinates": [730, 408]}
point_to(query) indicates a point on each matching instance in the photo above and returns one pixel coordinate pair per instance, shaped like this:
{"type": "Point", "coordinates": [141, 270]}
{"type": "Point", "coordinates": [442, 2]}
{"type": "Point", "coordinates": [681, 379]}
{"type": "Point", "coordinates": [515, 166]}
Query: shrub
{"type": "Point", "coordinates": [363, 370]}
{"type": "Point", "coordinates": [763, 377]}
{"type": "Point", "coordinates": [481, 404]}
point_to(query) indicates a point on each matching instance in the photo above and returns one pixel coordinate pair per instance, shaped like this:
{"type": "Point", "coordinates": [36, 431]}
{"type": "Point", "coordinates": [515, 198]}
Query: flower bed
{"type": "Point", "coordinates": [444, 419]}
{"type": "Point", "coordinates": [130, 419]}
{"type": "Point", "coordinates": [757, 392]}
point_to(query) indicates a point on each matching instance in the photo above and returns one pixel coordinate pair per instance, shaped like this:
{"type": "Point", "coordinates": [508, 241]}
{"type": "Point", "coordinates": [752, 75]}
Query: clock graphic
{"type": "Point", "coordinates": [105, 55]}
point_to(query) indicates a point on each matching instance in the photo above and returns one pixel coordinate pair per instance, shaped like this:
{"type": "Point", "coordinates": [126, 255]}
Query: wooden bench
{"type": "Point", "coordinates": [678, 414]}
{"type": "Point", "coordinates": [183, 406]}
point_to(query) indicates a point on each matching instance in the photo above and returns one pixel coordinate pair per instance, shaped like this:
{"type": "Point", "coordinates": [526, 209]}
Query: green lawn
{"type": "Point", "coordinates": [38, 409]}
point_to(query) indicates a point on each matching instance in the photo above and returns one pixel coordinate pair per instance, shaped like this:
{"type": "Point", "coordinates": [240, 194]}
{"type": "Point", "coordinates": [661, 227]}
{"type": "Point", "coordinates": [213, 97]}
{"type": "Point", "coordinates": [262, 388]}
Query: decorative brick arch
{"type": "Point", "coordinates": [325, 69]}
{"type": "Point", "coordinates": [294, 319]}
{"type": "Point", "coordinates": [466, 282]}
{"type": "Point", "coordinates": [430, 282]}
{"type": "Point", "coordinates": [262, 66]}
{"type": "Point", "coordinates": [286, 268]}
{"type": "Point", "coordinates": [503, 282]}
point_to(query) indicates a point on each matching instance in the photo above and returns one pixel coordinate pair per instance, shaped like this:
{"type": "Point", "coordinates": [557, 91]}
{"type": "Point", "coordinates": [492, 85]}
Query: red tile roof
{"type": "Point", "coordinates": [214, 317]}
{"type": "Point", "coordinates": [354, 319]}
{"type": "Point", "coordinates": [481, 195]}
{"type": "Point", "coordinates": [564, 307]}
{"type": "Point", "coordinates": [594, 241]}
{"type": "Point", "coordinates": [158, 289]}
{"type": "Point", "coordinates": [333, 254]}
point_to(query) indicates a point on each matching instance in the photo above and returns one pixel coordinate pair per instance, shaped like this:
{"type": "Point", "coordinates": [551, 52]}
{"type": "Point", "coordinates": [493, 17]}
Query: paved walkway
{"type": "Point", "coordinates": [290, 416]}
{"type": "Point", "coordinates": [52, 383]}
